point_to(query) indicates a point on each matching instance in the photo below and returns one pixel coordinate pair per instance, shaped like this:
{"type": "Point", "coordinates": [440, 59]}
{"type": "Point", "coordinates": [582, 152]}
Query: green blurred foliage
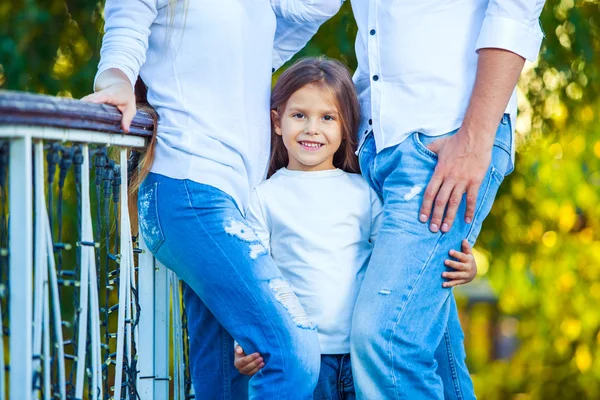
{"type": "Point", "coordinates": [540, 248]}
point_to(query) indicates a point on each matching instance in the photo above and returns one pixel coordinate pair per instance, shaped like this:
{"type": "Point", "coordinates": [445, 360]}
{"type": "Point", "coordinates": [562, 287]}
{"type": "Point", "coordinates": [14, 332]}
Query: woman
{"type": "Point", "coordinates": [208, 69]}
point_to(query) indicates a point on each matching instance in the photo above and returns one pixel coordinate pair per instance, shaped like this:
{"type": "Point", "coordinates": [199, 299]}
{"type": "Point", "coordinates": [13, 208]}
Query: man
{"type": "Point", "coordinates": [436, 81]}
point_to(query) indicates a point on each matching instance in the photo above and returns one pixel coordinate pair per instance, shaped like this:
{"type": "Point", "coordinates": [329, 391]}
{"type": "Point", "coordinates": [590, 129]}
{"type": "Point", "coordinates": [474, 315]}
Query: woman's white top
{"type": "Point", "coordinates": [208, 66]}
{"type": "Point", "coordinates": [319, 228]}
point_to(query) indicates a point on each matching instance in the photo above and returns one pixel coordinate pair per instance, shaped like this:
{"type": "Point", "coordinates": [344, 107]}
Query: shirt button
{"type": "Point", "coordinates": [370, 122]}
{"type": "Point", "coordinates": [375, 77]}
{"type": "Point", "coordinates": [372, 32]}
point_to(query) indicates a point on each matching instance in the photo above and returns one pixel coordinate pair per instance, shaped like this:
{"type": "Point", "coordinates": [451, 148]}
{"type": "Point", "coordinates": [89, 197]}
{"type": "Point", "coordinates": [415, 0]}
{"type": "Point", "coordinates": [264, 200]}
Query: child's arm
{"type": "Point", "coordinates": [247, 365]}
{"type": "Point", "coordinates": [463, 264]}
{"type": "Point", "coordinates": [257, 220]}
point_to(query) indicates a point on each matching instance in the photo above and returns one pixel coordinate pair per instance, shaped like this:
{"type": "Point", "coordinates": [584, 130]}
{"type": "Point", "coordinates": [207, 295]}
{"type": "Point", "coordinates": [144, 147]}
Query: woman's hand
{"type": "Point", "coordinates": [464, 264]}
{"type": "Point", "coordinates": [247, 365]}
{"type": "Point", "coordinates": [113, 87]}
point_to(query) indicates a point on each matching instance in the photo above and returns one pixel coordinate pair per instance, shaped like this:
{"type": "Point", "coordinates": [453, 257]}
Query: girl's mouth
{"type": "Point", "coordinates": [310, 146]}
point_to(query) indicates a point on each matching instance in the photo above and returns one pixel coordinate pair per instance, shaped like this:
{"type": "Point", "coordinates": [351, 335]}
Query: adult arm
{"type": "Point", "coordinates": [306, 10]}
{"type": "Point", "coordinates": [297, 23]}
{"type": "Point", "coordinates": [124, 46]}
{"type": "Point", "coordinates": [510, 34]}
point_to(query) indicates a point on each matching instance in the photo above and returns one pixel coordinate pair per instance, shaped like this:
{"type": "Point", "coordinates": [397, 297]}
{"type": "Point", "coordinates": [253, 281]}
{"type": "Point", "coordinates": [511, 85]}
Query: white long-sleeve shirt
{"type": "Point", "coordinates": [417, 60]}
{"type": "Point", "coordinates": [208, 65]}
{"type": "Point", "coordinates": [319, 228]}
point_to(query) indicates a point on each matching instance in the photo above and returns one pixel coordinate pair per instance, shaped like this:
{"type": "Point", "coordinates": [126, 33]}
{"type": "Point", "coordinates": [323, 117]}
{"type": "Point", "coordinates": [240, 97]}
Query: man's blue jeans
{"type": "Point", "coordinates": [233, 289]}
{"type": "Point", "coordinates": [406, 340]}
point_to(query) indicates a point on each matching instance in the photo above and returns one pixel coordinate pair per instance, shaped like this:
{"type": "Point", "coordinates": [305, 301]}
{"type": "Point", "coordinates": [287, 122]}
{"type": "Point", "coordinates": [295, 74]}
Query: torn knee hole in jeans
{"type": "Point", "coordinates": [240, 230]}
{"type": "Point", "coordinates": [287, 298]}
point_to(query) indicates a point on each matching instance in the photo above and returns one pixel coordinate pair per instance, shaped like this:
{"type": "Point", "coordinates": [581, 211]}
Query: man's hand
{"type": "Point", "coordinates": [461, 167]}
{"type": "Point", "coordinates": [464, 158]}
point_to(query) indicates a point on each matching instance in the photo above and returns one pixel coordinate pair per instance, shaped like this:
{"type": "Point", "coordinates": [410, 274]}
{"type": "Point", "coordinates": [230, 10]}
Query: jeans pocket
{"type": "Point", "coordinates": [148, 216]}
{"type": "Point", "coordinates": [421, 148]}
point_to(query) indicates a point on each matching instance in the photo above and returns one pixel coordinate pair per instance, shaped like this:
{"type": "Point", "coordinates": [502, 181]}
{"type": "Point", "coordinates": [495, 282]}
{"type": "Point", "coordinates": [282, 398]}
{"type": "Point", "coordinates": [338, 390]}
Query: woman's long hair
{"type": "Point", "coordinates": [333, 76]}
{"type": "Point", "coordinates": [140, 161]}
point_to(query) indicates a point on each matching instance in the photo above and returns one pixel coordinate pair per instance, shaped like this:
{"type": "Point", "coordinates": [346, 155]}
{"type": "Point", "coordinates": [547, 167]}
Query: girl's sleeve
{"type": "Point", "coordinates": [126, 32]}
{"type": "Point", "coordinates": [376, 211]}
{"type": "Point", "coordinates": [255, 217]}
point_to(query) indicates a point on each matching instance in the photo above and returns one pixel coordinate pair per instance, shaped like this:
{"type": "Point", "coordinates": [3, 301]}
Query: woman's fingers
{"type": "Point", "coordinates": [128, 112]}
{"type": "Point", "coordinates": [456, 265]}
{"type": "Point", "coordinates": [120, 96]}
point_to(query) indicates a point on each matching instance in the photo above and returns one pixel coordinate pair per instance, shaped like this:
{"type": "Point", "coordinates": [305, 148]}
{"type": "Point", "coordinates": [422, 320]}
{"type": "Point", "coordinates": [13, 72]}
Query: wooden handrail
{"type": "Point", "coordinates": [18, 108]}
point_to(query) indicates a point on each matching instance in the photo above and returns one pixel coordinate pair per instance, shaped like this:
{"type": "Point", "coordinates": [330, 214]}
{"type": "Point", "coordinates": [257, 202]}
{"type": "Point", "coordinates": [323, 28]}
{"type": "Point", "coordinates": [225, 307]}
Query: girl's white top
{"type": "Point", "coordinates": [319, 228]}
{"type": "Point", "coordinates": [208, 65]}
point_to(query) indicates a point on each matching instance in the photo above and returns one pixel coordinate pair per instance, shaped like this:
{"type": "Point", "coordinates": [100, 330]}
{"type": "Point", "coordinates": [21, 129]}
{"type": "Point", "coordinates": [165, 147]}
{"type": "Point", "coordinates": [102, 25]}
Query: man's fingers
{"type": "Point", "coordinates": [453, 204]}
{"type": "Point", "coordinates": [429, 196]}
{"type": "Point", "coordinates": [441, 201]}
{"type": "Point", "coordinates": [472, 192]}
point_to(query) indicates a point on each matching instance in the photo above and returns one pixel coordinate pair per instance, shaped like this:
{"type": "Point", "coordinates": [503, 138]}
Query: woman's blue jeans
{"type": "Point", "coordinates": [233, 289]}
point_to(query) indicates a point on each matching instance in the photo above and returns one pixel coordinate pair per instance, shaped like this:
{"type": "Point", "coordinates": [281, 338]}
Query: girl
{"type": "Point", "coordinates": [318, 217]}
{"type": "Point", "coordinates": [207, 65]}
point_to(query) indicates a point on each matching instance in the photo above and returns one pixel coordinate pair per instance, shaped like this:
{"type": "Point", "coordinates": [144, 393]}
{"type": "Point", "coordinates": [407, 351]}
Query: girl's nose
{"type": "Point", "coordinates": [312, 127]}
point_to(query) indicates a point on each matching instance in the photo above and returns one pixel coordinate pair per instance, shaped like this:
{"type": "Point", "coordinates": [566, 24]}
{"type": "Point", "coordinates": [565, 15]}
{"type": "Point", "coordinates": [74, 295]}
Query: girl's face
{"type": "Point", "coordinates": [311, 129]}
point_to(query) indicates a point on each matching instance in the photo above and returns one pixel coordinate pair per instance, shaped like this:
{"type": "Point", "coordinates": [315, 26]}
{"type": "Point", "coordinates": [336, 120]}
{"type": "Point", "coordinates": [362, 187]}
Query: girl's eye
{"type": "Point", "coordinates": [298, 115]}
{"type": "Point", "coordinates": [328, 118]}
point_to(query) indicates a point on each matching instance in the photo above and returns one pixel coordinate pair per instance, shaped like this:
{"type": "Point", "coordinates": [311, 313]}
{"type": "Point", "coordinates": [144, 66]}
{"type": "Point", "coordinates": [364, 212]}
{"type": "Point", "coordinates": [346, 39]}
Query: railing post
{"type": "Point", "coordinates": [21, 267]}
{"type": "Point", "coordinates": [146, 351]}
{"type": "Point", "coordinates": [161, 331]}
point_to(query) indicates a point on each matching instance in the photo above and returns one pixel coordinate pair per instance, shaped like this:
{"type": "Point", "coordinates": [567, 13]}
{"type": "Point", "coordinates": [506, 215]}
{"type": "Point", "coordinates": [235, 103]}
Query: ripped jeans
{"type": "Point", "coordinates": [232, 289]}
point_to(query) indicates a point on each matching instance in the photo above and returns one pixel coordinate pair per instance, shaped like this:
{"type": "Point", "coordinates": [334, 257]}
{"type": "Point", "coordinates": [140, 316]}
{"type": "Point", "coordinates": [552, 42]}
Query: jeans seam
{"type": "Point", "coordinates": [340, 385]}
{"type": "Point", "coordinates": [480, 207]}
{"type": "Point", "coordinates": [452, 363]}
{"type": "Point", "coordinates": [188, 198]}
{"type": "Point", "coordinates": [226, 377]}
{"type": "Point", "coordinates": [401, 313]}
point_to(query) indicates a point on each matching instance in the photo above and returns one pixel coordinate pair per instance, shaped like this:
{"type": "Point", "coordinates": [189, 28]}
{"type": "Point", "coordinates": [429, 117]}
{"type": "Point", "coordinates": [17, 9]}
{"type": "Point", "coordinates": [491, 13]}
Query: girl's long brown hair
{"type": "Point", "coordinates": [333, 76]}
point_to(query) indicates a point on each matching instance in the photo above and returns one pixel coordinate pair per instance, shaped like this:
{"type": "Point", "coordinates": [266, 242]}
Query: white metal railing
{"type": "Point", "coordinates": [86, 352]}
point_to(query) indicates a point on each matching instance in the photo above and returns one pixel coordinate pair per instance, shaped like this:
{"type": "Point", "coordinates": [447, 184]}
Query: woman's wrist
{"type": "Point", "coordinates": [111, 77]}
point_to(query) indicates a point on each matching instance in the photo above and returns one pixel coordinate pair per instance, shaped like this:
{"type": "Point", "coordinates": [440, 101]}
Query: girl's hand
{"type": "Point", "coordinates": [247, 365]}
{"type": "Point", "coordinates": [465, 266]}
{"type": "Point", "coordinates": [113, 87]}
